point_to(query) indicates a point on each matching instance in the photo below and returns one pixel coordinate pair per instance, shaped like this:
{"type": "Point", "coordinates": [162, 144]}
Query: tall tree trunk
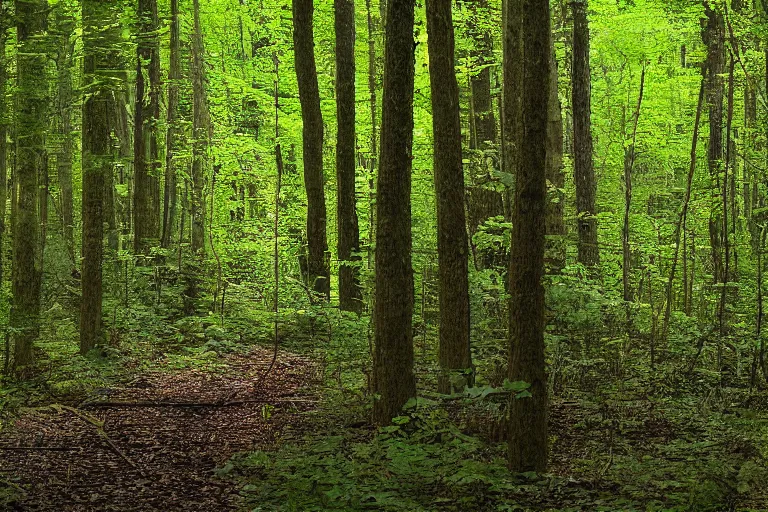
{"type": "Point", "coordinates": [528, 416]}
{"type": "Point", "coordinates": [146, 208]}
{"type": "Point", "coordinates": [373, 160]}
{"type": "Point", "coordinates": [318, 273]}
{"type": "Point", "coordinates": [65, 22]}
{"type": "Point", "coordinates": [201, 128]}
{"type": "Point", "coordinates": [555, 224]}
{"type": "Point", "coordinates": [32, 102]}
{"type": "Point", "coordinates": [101, 43]}
{"type": "Point", "coordinates": [714, 39]}
{"type": "Point", "coordinates": [170, 197]}
{"type": "Point", "coordinates": [583, 165]}
{"type": "Point", "coordinates": [5, 21]}
{"type": "Point", "coordinates": [350, 294]}
{"type": "Point", "coordinates": [394, 380]}
{"type": "Point", "coordinates": [452, 243]}
{"type": "Point", "coordinates": [483, 201]}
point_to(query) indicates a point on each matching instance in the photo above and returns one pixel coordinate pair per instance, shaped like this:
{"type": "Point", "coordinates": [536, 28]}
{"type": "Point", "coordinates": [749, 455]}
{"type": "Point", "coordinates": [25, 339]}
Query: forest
{"type": "Point", "coordinates": [396, 255]}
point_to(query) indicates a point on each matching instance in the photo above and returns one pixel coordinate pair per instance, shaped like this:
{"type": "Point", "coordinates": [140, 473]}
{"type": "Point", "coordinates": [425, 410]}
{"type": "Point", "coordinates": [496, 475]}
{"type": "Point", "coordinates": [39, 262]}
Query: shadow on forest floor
{"type": "Point", "coordinates": [152, 443]}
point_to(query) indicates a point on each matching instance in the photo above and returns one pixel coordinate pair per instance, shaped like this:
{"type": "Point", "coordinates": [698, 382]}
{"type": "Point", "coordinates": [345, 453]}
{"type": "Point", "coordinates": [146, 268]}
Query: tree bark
{"type": "Point", "coordinates": [584, 171]}
{"type": "Point", "coordinates": [394, 380]}
{"type": "Point", "coordinates": [483, 201]}
{"type": "Point", "coordinates": [65, 23]}
{"type": "Point", "coordinates": [350, 294]}
{"type": "Point", "coordinates": [318, 273]}
{"type": "Point", "coordinates": [201, 128]}
{"type": "Point", "coordinates": [5, 21]}
{"type": "Point", "coordinates": [146, 208]}
{"type": "Point", "coordinates": [32, 120]}
{"type": "Point", "coordinates": [101, 43]}
{"type": "Point", "coordinates": [452, 244]}
{"type": "Point", "coordinates": [714, 39]}
{"type": "Point", "coordinates": [555, 225]}
{"type": "Point", "coordinates": [170, 197]}
{"type": "Point", "coordinates": [528, 438]}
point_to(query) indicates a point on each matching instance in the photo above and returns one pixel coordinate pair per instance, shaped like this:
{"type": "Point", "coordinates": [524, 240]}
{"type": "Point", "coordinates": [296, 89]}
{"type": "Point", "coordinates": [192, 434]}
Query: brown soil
{"type": "Point", "coordinates": [154, 443]}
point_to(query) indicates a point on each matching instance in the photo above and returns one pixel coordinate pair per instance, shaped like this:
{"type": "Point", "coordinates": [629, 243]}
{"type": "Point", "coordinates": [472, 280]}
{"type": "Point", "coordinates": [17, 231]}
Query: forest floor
{"type": "Point", "coordinates": [153, 441]}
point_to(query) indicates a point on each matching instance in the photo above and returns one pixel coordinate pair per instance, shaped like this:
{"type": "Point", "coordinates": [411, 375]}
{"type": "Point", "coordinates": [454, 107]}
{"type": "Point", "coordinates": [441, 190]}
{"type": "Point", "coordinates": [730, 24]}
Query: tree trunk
{"type": "Point", "coordinates": [170, 197]}
{"type": "Point", "coordinates": [65, 23]}
{"type": "Point", "coordinates": [32, 119]}
{"type": "Point", "coordinates": [394, 380]}
{"type": "Point", "coordinates": [146, 164]}
{"type": "Point", "coordinates": [318, 273]}
{"type": "Point", "coordinates": [528, 415]}
{"type": "Point", "coordinates": [452, 243]}
{"type": "Point", "coordinates": [584, 171]}
{"type": "Point", "coordinates": [5, 21]}
{"type": "Point", "coordinates": [101, 48]}
{"type": "Point", "coordinates": [714, 39]}
{"type": "Point", "coordinates": [483, 201]}
{"type": "Point", "coordinates": [555, 226]}
{"type": "Point", "coordinates": [200, 127]}
{"type": "Point", "coordinates": [350, 294]}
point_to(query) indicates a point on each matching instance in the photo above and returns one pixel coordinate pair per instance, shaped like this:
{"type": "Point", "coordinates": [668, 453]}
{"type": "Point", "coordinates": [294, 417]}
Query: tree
{"type": "Point", "coordinates": [146, 164]}
{"type": "Point", "coordinates": [201, 133]}
{"type": "Point", "coordinates": [483, 201]}
{"type": "Point", "coordinates": [65, 30]}
{"type": "Point", "coordinates": [32, 119]}
{"type": "Point", "coordinates": [452, 243]}
{"type": "Point", "coordinates": [100, 56]}
{"type": "Point", "coordinates": [528, 415]}
{"type": "Point", "coordinates": [555, 176]}
{"type": "Point", "coordinates": [170, 197]}
{"type": "Point", "coordinates": [318, 273]}
{"type": "Point", "coordinates": [350, 294]}
{"type": "Point", "coordinates": [5, 22]}
{"type": "Point", "coordinates": [583, 166]}
{"type": "Point", "coordinates": [393, 332]}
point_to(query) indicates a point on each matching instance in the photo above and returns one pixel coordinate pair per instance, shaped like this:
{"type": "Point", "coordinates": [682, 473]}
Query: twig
{"type": "Point", "coordinates": [100, 429]}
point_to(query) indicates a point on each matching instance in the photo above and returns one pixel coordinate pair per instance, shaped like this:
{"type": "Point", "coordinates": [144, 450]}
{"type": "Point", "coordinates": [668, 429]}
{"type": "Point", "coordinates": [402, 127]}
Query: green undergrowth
{"type": "Point", "coordinates": [609, 453]}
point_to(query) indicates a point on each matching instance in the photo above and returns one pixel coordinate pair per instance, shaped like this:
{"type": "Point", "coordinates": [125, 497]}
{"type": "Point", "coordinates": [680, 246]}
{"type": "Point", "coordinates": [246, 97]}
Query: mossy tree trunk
{"type": "Point", "coordinates": [318, 272]}
{"type": "Point", "coordinates": [32, 120]}
{"type": "Point", "coordinates": [101, 50]}
{"type": "Point", "coordinates": [583, 164]}
{"type": "Point", "coordinates": [452, 243]}
{"type": "Point", "coordinates": [146, 163]}
{"type": "Point", "coordinates": [394, 380]}
{"type": "Point", "coordinates": [350, 294]}
{"type": "Point", "coordinates": [528, 415]}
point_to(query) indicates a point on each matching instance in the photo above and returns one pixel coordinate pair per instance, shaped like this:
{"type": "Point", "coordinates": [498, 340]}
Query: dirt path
{"type": "Point", "coordinates": [119, 452]}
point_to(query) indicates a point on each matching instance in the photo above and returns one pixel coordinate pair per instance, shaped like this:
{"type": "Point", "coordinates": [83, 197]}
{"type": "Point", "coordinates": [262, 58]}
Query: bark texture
{"type": "Point", "coordinates": [350, 294]}
{"type": "Point", "coordinates": [318, 272]}
{"type": "Point", "coordinates": [528, 415]}
{"type": "Point", "coordinates": [146, 208]}
{"type": "Point", "coordinates": [32, 120]}
{"type": "Point", "coordinates": [394, 380]}
{"type": "Point", "coordinates": [452, 243]}
{"type": "Point", "coordinates": [583, 165]}
{"type": "Point", "coordinates": [714, 39]}
{"type": "Point", "coordinates": [101, 55]}
{"type": "Point", "coordinates": [555, 225]}
{"type": "Point", "coordinates": [170, 197]}
{"type": "Point", "coordinates": [200, 128]}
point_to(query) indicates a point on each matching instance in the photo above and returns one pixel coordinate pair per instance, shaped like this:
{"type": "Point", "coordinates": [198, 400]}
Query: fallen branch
{"type": "Point", "coordinates": [38, 449]}
{"type": "Point", "coordinates": [196, 405]}
{"type": "Point", "coordinates": [100, 429]}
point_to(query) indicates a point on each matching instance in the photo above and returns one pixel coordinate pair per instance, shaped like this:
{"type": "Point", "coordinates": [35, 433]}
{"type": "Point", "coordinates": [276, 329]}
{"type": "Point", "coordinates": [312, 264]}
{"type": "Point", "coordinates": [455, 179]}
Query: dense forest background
{"type": "Point", "coordinates": [390, 255]}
